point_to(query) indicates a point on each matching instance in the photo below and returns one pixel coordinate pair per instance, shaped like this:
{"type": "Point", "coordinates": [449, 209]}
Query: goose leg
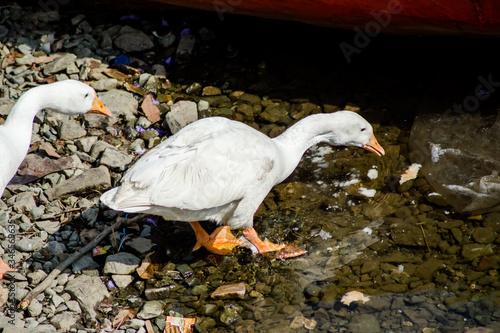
{"type": "Point", "coordinates": [261, 245]}
{"type": "Point", "coordinates": [221, 241]}
{"type": "Point", "coordinates": [265, 246]}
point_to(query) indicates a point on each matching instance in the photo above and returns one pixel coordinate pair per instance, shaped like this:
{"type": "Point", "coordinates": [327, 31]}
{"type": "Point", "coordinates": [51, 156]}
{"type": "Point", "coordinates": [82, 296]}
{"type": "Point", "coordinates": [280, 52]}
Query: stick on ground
{"type": "Point", "coordinates": [74, 257]}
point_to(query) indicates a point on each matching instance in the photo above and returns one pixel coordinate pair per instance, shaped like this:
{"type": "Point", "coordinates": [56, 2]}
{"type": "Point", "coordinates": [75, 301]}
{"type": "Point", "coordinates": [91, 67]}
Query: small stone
{"type": "Point", "coordinates": [49, 226]}
{"type": "Point", "coordinates": [151, 309]}
{"type": "Point", "coordinates": [71, 130]}
{"type": "Point", "coordinates": [59, 64]}
{"type": "Point", "coordinates": [141, 245]}
{"type": "Point", "coordinates": [104, 84]}
{"type": "Point", "coordinates": [90, 181]}
{"type": "Point", "coordinates": [301, 321]}
{"type": "Point", "coordinates": [115, 159]}
{"type": "Point", "coordinates": [35, 308]}
{"type": "Point", "coordinates": [89, 292]}
{"type": "Point", "coordinates": [28, 245]}
{"type": "Point", "coordinates": [364, 323]}
{"type": "Point", "coordinates": [211, 91]}
{"type": "Point", "coordinates": [122, 281]}
{"type": "Point", "coordinates": [230, 291]}
{"type": "Point", "coordinates": [134, 41]}
{"type": "Point", "coordinates": [427, 269]}
{"type": "Point", "coordinates": [181, 114]}
{"type": "Point", "coordinates": [85, 144]}
{"type": "Point", "coordinates": [483, 235]}
{"type": "Point", "coordinates": [64, 321]}
{"type": "Point", "coordinates": [121, 263]}
{"type": "Point", "coordinates": [36, 277]}
{"type": "Point", "coordinates": [472, 251]}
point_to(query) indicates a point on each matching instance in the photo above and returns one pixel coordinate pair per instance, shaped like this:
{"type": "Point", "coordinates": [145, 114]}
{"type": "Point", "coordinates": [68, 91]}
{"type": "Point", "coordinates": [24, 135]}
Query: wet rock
{"type": "Point", "coordinates": [97, 179]}
{"type": "Point", "coordinates": [471, 251]}
{"type": "Point", "coordinates": [230, 314]}
{"type": "Point", "coordinates": [121, 263]}
{"type": "Point", "coordinates": [427, 269]}
{"type": "Point", "coordinates": [483, 235]}
{"type": "Point", "coordinates": [364, 323]}
{"type": "Point", "coordinates": [89, 292]}
{"type": "Point", "coordinates": [151, 309]}
{"type": "Point", "coordinates": [301, 321]}
{"type": "Point", "coordinates": [230, 291]}
{"type": "Point", "coordinates": [122, 281]}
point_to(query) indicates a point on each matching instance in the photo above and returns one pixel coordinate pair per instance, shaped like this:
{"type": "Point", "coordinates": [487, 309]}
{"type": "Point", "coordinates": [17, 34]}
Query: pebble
{"type": "Point", "coordinates": [121, 263]}
{"type": "Point", "coordinates": [151, 309]}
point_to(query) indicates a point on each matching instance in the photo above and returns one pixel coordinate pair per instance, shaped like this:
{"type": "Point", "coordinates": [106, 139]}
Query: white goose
{"type": "Point", "coordinates": [221, 170]}
{"type": "Point", "coordinates": [69, 97]}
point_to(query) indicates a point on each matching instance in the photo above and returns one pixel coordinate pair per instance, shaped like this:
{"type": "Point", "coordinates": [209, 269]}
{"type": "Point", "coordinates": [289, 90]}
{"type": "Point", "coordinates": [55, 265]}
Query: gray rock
{"type": "Point", "coordinates": [49, 226]}
{"type": "Point", "coordinates": [364, 323]}
{"type": "Point", "coordinates": [104, 84]}
{"type": "Point", "coordinates": [84, 262]}
{"type": "Point", "coordinates": [120, 103]}
{"type": "Point", "coordinates": [36, 277]}
{"type": "Point", "coordinates": [23, 202]}
{"type": "Point", "coordinates": [133, 40]}
{"type": "Point", "coordinates": [121, 263]}
{"type": "Point", "coordinates": [6, 105]}
{"type": "Point", "coordinates": [151, 309]}
{"type": "Point", "coordinates": [89, 291]}
{"type": "Point", "coordinates": [59, 64]}
{"type": "Point", "coordinates": [141, 245]}
{"type": "Point", "coordinates": [98, 148]}
{"type": "Point", "coordinates": [71, 130]}
{"type": "Point", "coordinates": [65, 320]}
{"type": "Point", "coordinates": [181, 114]}
{"type": "Point", "coordinates": [122, 281]}
{"type": "Point", "coordinates": [35, 308]}
{"type": "Point", "coordinates": [28, 245]}
{"type": "Point", "coordinates": [74, 306]}
{"type": "Point", "coordinates": [115, 159]}
{"type": "Point", "coordinates": [97, 179]}
{"type": "Point", "coordinates": [86, 143]}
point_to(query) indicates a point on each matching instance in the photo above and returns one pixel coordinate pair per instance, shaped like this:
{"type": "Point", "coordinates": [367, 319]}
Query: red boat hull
{"type": "Point", "coordinates": [441, 17]}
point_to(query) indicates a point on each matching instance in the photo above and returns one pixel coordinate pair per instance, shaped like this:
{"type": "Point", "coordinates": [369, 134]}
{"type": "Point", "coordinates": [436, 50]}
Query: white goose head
{"type": "Point", "coordinates": [350, 129]}
{"type": "Point", "coordinates": [73, 97]}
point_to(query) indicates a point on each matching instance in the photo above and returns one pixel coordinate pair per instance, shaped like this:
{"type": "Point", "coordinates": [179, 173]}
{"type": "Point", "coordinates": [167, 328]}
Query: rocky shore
{"type": "Point", "coordinates": [421, 266]}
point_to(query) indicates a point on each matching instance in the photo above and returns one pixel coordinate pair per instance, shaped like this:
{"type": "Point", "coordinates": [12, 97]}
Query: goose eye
{"type": "Point", "coordinates": [86, 95]}
{"type": "Point", "coordinates": [363, 129]}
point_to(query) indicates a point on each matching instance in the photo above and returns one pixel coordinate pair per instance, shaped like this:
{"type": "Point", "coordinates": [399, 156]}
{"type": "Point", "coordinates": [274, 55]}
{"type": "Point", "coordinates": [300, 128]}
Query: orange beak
{"type": "Point", "coordinates": [373, 146]}
{"type": "Point", "coordinates": [99, 108]}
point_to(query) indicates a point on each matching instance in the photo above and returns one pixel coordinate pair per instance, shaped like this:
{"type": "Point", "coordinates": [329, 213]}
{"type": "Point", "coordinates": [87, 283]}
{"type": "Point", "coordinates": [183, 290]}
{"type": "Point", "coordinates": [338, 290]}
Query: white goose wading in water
{"type": "Point", "coordinates": [69, 97]}
{"type": "Point", "coordinates": [221, 170]}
